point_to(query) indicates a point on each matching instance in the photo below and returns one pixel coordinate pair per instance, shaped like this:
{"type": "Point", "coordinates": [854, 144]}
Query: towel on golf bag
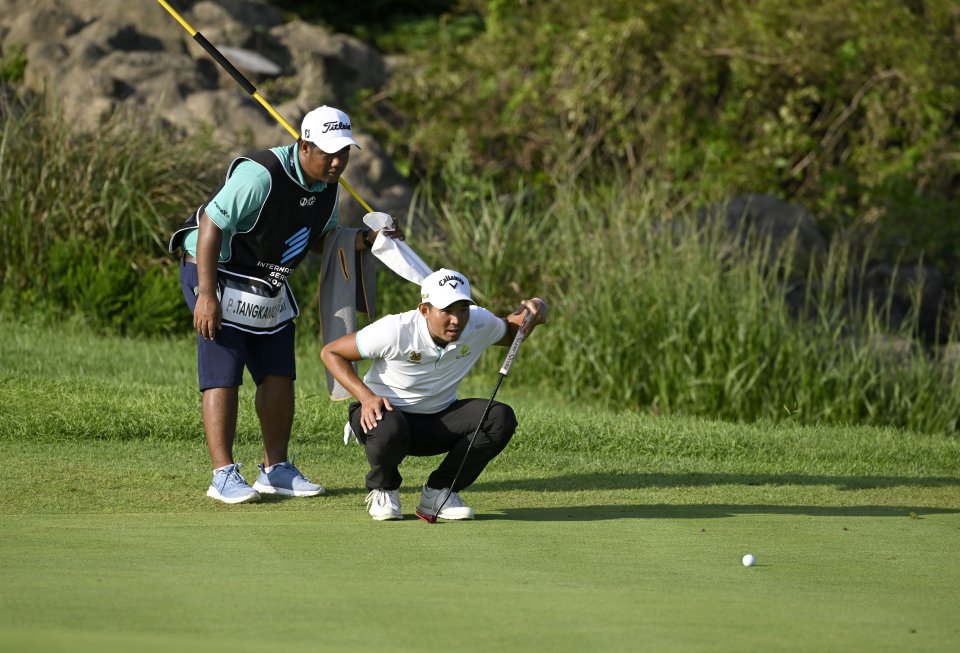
{"type": "Point", "coordinates": [348, 283]}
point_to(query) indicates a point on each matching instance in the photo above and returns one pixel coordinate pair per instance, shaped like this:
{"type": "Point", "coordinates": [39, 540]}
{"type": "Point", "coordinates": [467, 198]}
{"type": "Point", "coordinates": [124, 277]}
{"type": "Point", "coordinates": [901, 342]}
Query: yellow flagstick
{"type": "Point", "coordinates": [246, 85]}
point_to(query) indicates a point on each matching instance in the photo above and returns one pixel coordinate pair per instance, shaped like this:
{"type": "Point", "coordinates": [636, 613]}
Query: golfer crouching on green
{"type": "Point", "coordinates": [407, 402]}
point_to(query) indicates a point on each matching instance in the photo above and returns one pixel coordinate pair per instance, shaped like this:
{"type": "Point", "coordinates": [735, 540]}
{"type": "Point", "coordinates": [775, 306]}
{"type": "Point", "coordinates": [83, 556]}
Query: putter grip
{"type": "Point", "coordinates": [514, 346]}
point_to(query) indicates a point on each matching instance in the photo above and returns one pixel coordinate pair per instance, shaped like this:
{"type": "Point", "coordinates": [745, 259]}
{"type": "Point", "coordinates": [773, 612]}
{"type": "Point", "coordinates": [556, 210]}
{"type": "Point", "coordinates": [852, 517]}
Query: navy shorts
{"type": "Point", "coordinates": [220, 362]}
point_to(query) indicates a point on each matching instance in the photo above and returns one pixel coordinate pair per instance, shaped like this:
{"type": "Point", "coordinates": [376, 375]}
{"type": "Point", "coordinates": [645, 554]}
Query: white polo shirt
{"type": "Point", "coordinates": [410, 369]}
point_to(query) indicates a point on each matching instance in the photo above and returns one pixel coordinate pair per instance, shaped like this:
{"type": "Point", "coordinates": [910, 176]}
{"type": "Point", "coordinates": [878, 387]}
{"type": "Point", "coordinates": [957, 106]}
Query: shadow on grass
{"type": "Point", "coordinates": [625, 481]}
{"type": "Point", "coordinates": [601, 513]}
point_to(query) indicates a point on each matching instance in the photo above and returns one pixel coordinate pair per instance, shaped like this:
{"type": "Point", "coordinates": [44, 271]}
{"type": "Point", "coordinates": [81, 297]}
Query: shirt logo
{"type": "Point", "coordinates": [295, 244]}
{"type": "Point", "coordinates": [308, 201]}
{"type": "Point", "coordinates": [464, 352]}
{"type": "Point", "coordinates": [415, 357]}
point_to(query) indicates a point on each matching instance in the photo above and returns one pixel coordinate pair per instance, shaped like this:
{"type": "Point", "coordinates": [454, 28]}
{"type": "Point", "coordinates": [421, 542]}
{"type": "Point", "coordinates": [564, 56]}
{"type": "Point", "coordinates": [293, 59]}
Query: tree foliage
{"type": "Point", "coordinates": [850, 109]}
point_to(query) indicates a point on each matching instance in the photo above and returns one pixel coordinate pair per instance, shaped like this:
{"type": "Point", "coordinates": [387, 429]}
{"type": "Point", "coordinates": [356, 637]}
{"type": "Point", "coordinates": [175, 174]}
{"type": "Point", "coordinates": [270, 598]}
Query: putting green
{"type": "Point", "coordinates": [587, 576]}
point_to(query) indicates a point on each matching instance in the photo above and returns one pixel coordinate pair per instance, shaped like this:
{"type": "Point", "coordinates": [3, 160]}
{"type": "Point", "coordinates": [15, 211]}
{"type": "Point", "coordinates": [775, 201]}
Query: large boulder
{"type": "Point", "coordinates": [908, 295]}
{"type": "Point", "coordinates": [766, 216]}
{"type": "Point", "coordinates": [333, 68]}
{"type": "Point", "coordinates": [901, 295]}
{"type": "Point", "coordinates": [95, 59]}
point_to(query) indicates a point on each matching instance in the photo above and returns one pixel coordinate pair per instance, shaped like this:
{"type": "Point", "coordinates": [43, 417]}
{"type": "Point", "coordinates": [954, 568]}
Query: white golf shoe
{"type": "Point", "coordinates": [384, 504]}
{"type": "Point", "coordinates": [431, 499]}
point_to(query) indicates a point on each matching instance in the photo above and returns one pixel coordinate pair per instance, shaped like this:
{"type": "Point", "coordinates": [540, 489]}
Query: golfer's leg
{"type": "Point", "coordinates": [494, 435]}
{"type": "Point", "coordinates": [386, 445]}
{"type": "Point", "coordinates": [219, 409]}
{"type": "Point", "coordinates": [274, 402]}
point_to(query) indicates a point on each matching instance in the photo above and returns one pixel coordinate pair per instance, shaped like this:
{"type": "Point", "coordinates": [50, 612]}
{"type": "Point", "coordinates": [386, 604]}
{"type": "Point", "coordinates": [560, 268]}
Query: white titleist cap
{"type": "Point", "coordinates": [444, 287]}
{"type": "Point", "coordinates": [328, 128]}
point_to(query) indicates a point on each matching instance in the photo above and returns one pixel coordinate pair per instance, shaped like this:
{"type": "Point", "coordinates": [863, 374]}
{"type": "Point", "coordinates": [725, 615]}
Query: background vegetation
{"type": "Point", "coordinates": [849, 109]}
{"type": "Point", "coordinates": [561, 148]}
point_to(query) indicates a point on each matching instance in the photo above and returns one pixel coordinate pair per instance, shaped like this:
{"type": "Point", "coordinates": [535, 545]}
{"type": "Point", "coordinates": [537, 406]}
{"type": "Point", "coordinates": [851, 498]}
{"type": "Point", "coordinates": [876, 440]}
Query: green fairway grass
{"type": "Point", "coordinates": [596, 531]}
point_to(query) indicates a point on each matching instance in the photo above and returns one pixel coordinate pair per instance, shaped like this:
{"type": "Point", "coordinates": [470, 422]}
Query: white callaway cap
{"type": "Point", "coordinates": [444, 287]}
{"type": "Point", "coordinates": [328, 128]}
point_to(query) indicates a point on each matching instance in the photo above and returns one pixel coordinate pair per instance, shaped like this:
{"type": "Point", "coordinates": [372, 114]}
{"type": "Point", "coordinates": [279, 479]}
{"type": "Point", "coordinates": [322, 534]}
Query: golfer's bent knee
{"type": "Point", "coordinates": [390, 432]}
{"type": "Point", "coordinates": [501, 424]}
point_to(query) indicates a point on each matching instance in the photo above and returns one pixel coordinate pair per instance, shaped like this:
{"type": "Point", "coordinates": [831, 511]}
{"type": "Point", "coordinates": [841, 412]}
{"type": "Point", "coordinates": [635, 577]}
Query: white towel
{"type": "Point", "coordinates": [395, 254]}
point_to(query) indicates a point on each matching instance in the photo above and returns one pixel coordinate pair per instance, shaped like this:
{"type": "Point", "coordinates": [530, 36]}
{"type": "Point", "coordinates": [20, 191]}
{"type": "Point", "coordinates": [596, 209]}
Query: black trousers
{"type": "Point", "coordinates": [401, 434]}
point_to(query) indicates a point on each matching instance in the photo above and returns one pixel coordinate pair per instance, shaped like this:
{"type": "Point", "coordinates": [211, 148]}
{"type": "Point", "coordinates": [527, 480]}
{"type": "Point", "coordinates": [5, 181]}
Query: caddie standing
{"type": "Point", "coordinates": [239, 248]}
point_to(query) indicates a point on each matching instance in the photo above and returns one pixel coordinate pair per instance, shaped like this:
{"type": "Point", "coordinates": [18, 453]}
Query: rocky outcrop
{"type": "Point", "coordinates": [768, 217]}
{"type": "Point", "coordinates": [99, 58]}
{"type": "Point", "coordinates": [900, 294]}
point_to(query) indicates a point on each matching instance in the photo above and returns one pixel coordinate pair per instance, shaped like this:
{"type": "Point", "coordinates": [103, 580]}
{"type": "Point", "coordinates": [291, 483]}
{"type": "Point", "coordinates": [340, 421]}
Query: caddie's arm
{"type": "Point", "coordinates": [337, 356]}
{"type": "Point", "coordinates": [536, 307]}
{"type": "Point", "coordinates": [207, 315]}
{"type": "Point", "coordinates": [364, 239]}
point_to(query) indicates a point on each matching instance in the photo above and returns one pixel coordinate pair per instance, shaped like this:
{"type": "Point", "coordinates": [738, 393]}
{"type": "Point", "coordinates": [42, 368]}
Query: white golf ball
{"type": "Point", "coordinates": [749, 560]}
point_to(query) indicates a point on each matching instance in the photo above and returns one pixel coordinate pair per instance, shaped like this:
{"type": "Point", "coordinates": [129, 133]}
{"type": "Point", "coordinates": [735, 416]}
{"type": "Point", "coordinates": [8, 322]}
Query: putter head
{"type": "Point", "coordinates": [426, 516]}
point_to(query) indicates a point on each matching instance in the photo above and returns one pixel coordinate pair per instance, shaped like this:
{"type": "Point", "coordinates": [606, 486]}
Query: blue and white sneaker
{"type": "Point", "coordinates": [230, 487]}
{"type": "Point", "coordinates": [283, 478]}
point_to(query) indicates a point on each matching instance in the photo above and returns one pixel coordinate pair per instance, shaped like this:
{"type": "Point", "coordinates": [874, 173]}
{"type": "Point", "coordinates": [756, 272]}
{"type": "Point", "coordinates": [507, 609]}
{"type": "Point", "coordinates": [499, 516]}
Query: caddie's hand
{"type": "Point", "coordinates": [389, 228]}
{"type": "Point", "coordinates": [396, 233]}
{"type": "Point", "coordinates": [537, 310]}
{"type": "Point", "coordinates": [207, 316]}
{"type": "Point", "coordinates": [372, 410]}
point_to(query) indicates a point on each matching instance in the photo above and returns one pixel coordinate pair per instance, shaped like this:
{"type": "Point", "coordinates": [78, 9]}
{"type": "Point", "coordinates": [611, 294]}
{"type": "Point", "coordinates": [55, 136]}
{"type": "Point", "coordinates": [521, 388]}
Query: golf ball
{"type": "Point", "coordinates": [749, 560]}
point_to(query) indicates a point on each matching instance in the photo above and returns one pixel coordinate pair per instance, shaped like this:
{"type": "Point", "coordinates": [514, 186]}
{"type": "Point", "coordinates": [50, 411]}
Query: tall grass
{"type": "Point", "coordinates": [85, 216]}
{"type": "Point", "coordinates": [665, 314]}
{"type": "Point", "coordinates": [650, 310]}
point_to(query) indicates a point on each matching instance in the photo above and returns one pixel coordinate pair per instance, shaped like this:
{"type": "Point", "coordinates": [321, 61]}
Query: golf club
{"type": "Point", "coordinates": [508, 361]}
{"type": "Point", "coordinates": [247, 86]}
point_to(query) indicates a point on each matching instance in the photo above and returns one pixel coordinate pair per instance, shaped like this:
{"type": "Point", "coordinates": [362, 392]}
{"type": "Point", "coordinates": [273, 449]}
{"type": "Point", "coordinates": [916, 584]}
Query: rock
{"type": "Point", "coordinates": [97, 59]}
{"type": "Point", "coordinates": [333, 68]}
{"type": "Point", "coordinates": [375, 179]}
{"type": "Point", "coordinates": [904, 293]}
{"type": "Point", "coordinates": [893, 351]}
{"type": "Point", "coordinates": [949, 360]}
{"type": "Point", "coordinates": [251, 14]}
{"type": "Point", "coordinates": [770, 217]}
{"type": "Point", "coordinates": [45, 23]}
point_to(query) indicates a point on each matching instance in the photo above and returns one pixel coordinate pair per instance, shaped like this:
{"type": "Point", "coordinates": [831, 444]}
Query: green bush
{"type": "Point", "coordinates": [86, 216]}
{"type": "Point", "coordinates": [566, 160]}
{"type": "Point", "coordinates": [849, 109]}
{"type": "Point", "coordinates": [109, 292]}
{"type": "Point", "coordinates": [157, 305]}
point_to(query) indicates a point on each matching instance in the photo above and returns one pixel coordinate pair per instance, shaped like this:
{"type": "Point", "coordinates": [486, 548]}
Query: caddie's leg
{"type": "Point", "coordinates": [219, 408]}
{"type": "Point", "coordinates": [270, 359]}
{"type": "Point", "coordinates": [278, 475]}
{"type": "Point", "coordinates": [220, 373]}
{"type": "Point", "coordinates": [274, 401]}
